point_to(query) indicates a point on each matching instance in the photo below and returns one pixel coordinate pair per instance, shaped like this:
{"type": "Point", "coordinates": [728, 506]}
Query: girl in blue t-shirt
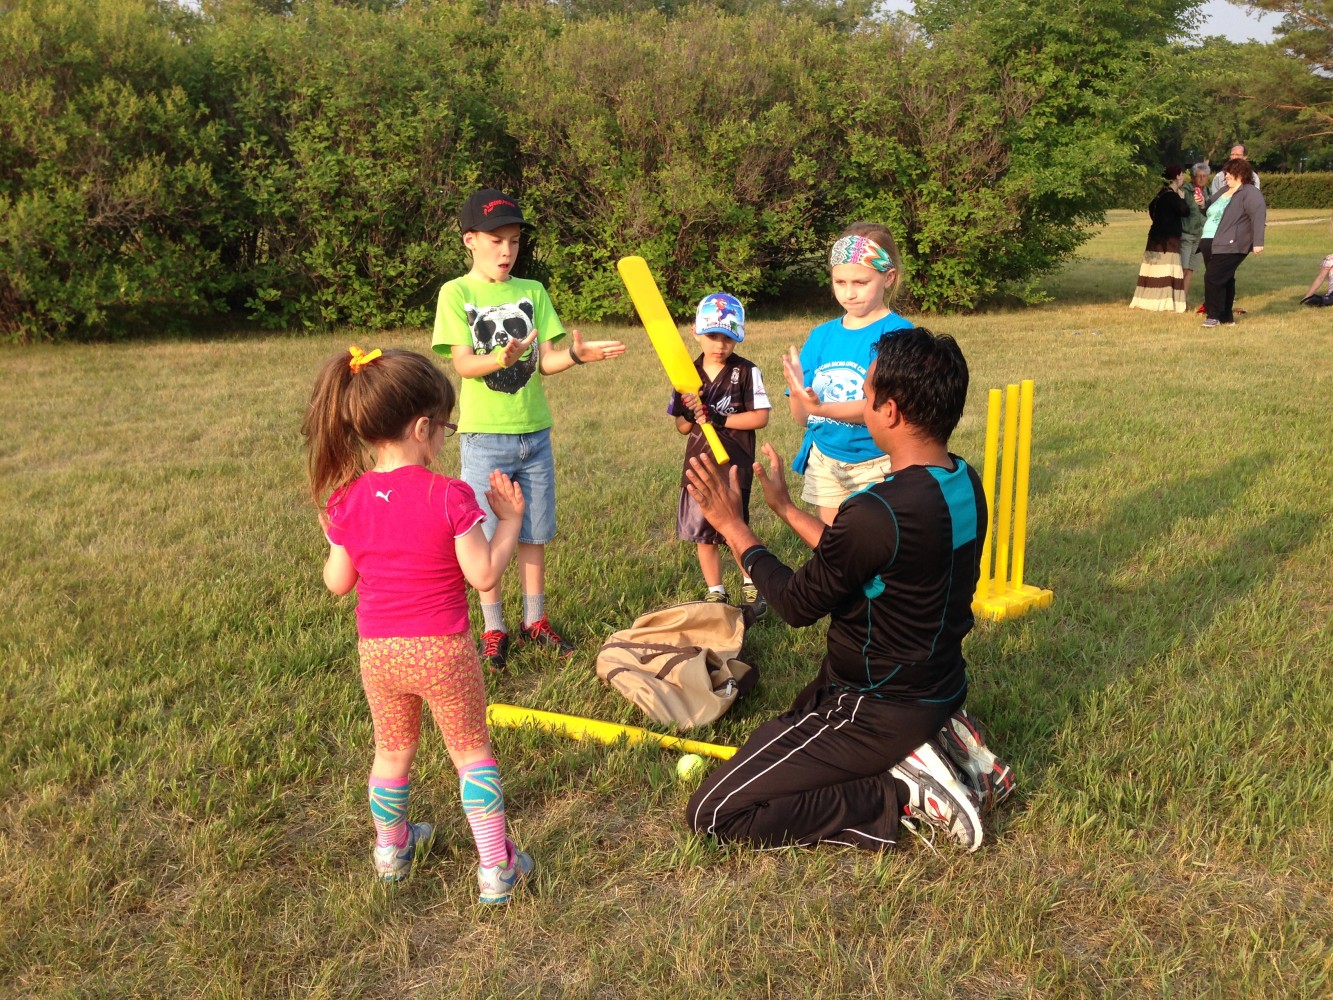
{"type": "Point", "coordinates": [825, 380]}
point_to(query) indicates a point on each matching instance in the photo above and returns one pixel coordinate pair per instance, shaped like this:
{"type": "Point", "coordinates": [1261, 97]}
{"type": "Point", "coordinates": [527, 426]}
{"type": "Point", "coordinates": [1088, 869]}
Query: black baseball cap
{"type": "Point", "coordinates": [488, 210]}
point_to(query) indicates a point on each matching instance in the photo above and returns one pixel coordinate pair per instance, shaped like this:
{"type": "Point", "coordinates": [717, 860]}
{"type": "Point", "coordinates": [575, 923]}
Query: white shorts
{"type": "Point", "coordinates": [828, 482]}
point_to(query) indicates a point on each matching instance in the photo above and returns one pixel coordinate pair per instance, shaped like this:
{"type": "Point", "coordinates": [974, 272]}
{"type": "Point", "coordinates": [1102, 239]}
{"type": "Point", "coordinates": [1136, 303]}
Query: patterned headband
{"type": "Point", "coordinates": [860, 250]}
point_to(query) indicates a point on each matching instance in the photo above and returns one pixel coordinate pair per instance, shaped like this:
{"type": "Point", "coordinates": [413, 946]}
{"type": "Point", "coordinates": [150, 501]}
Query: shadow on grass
{"type": "Point", "coordinates": [1130, 589]}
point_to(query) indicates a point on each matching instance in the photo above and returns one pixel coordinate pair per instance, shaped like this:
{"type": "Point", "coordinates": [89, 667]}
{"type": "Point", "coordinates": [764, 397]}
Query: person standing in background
{"type": "Point", "coordinates": [1191, 229]}
{"type": "Point", "coordinates": [1161, 283]}
{"type": "Point", "coordinates": [1234, 229]}
{"type": "Point", "coordinates": [1220, 178]}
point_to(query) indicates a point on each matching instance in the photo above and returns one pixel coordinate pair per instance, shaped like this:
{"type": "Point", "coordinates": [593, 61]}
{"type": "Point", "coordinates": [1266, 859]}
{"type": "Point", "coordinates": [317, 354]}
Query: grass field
{"type": "Point", "coordinates": [182, 774]}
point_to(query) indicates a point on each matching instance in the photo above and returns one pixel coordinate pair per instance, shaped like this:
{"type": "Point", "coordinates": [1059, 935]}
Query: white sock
{"type": "Point", "coordinates": [534, 608]}
{"type": "Point", "coordinates": [718, 589]}
{"type": "Point", "coordinates": [494, 617]}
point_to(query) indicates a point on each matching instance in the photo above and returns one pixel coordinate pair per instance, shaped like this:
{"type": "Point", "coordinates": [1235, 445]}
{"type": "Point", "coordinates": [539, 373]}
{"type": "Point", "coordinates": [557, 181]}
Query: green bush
{"type": "Point", "coordinates": [108, 199]}
{"type": "Point", "coordinates": [1136, 194]}
{"type": "Point", "coordinates": [695, 143]}
{"type": "Point", "coordinates": [352, 138]}
{"type": "Point", "coordinates": [1309, 190]}
{"type": "Point", "coordinates": [305, 168]}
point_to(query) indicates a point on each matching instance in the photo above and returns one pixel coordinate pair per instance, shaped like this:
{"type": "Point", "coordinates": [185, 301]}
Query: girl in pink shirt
{"type": "Point", "coordinates": [409, 540]}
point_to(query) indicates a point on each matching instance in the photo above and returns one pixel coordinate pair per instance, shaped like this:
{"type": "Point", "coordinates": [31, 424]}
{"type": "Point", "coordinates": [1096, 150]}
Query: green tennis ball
{"type": "Point", "coordinates": [689, 767]}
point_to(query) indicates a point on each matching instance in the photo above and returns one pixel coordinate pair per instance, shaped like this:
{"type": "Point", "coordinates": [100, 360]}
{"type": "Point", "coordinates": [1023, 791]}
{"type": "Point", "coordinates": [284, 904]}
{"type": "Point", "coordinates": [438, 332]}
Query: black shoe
{"type": "Point", "coordinates": [494, 649]}
{"type": "Point", "coordinates": [541, 632]}
{"type": "Point", "coordinates": [753, 602]}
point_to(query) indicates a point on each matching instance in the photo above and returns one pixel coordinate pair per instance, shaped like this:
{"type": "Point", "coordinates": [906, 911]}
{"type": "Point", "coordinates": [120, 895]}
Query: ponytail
{"type": "Point", "coordinates": [334, 454]}
{"type": "Point", "coordinates": [361, 400]}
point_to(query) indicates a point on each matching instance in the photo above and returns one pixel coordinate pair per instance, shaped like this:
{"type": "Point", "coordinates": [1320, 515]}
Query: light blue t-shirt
{"type": "Point", "coordinates": [835, 361]}
{"type": "Point", "coordinates": [1214, 219]}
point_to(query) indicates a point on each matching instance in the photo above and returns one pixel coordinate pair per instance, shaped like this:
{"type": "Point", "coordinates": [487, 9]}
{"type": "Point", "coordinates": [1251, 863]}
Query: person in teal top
{"type": "Point", "coordinates": [1213, 219]}
{"type": "Point", "coordinates": [501, 334]}
{"type": "Point", "coordinates": [1233, 230]}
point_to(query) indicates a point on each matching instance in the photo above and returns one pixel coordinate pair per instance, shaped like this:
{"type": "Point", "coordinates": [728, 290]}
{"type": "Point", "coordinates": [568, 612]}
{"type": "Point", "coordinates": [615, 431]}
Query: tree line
{"type": "Point", "coordinates": [302, 165]}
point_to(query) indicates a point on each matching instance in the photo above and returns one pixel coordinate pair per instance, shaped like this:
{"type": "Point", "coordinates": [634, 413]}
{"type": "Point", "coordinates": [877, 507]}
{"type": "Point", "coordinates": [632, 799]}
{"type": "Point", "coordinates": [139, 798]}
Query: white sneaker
{"type": "Point", "coordinates": [989, 776]}
{"type": "Point", "coordinates": [937, 798]}
{"type": "Point", "coordinates": [498, 882]}
{"type": "Point", "coordinates": [392, 864]}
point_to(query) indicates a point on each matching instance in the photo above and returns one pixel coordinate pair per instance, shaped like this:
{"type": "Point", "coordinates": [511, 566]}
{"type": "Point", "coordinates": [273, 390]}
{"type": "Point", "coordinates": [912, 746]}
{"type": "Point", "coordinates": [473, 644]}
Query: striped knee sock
{"type": "Point", "coordinates": [388, 808]}
{"type": "Point", "coordinates": [484, 805]}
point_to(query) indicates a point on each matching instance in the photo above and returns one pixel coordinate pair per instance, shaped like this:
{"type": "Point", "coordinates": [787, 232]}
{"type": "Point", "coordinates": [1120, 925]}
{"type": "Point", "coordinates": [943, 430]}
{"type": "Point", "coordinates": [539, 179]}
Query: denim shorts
{"type": "Point", "coordinates": [529, 461]}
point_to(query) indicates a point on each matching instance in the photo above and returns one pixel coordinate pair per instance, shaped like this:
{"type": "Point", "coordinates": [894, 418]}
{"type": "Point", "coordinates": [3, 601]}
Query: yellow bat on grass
{"type": "Point", "coordinates": [513, 717]}
{"type": "Point", "coordinates": [666, 338]}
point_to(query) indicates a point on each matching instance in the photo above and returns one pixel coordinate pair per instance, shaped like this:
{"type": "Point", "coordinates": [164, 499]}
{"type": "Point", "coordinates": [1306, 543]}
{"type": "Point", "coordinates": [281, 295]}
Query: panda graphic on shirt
{"type": "Point", "coordinates": [495, 326]}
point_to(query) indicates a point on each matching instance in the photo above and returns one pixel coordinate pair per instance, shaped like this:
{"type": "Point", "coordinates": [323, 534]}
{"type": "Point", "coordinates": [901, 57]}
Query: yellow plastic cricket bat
{"type": "Point", "coordinates": [579, 728]}
{"type": "Point", "coordinates": [666, 338]}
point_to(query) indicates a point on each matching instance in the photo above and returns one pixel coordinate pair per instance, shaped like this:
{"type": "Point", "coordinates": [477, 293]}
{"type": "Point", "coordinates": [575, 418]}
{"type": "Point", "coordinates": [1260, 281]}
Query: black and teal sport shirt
{"type": "Point", "coordinates": [895, 573]}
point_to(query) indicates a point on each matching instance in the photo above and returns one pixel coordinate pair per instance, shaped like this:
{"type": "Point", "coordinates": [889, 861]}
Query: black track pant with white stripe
{"type": "Point", "coordinates": [818, 772]}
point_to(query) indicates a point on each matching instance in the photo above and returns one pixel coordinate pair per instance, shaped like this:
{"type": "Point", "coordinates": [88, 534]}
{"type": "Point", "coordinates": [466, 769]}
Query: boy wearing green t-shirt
{"type": "Point", "coordinates": [500, 332]}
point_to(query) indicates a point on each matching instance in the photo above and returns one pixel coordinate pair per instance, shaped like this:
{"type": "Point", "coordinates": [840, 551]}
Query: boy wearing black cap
{"type": "Point", "coordinates": [500, 332]}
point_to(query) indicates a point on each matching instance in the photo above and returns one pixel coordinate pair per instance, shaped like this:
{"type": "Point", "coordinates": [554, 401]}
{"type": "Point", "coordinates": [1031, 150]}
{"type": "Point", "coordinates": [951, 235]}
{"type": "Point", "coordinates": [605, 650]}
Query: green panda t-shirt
{"type": "Point", "coordinates": [486, 315]}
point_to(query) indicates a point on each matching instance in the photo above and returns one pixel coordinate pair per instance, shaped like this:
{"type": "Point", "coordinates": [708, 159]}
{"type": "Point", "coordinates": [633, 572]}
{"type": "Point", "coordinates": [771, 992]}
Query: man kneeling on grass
{"type": "Point", "coordinates": [860, 750]}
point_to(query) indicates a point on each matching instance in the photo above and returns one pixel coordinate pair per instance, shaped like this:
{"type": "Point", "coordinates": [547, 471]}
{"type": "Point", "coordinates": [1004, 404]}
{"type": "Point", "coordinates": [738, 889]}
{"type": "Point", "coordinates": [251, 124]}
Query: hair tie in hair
{"type": "Point", "coordinates": [860, 250]}
{"type": "Point", "coordinates": [360, 358]}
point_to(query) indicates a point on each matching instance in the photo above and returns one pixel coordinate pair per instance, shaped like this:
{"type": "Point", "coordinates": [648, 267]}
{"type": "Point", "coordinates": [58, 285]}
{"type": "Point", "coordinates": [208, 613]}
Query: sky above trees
{"type": "Point", "coordinates": [1239, 24]}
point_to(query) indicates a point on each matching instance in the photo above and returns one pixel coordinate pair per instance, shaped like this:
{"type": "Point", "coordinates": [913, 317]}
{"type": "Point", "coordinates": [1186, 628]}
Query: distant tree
{"type": "Point", "coordinates": [218, 7]}
{"type": "Point", "coordinates": [1248, 92]}
{"type": "Point", "coordinates": [843, 14]}
{"type": "Point", "coordinates": [1306, 32]}
{"type": "Point", "coordinates": [998, 144]}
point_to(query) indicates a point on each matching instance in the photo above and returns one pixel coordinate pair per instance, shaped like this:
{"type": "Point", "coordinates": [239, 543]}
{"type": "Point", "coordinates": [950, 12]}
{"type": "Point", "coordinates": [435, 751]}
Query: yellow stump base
{"type": "Point", "coordinates": [1012, 603]}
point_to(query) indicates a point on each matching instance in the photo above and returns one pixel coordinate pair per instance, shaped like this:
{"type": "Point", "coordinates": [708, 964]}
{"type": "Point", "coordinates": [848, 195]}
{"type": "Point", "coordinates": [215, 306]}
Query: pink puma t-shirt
{"type": "Point", "coordinates": [399, 529]}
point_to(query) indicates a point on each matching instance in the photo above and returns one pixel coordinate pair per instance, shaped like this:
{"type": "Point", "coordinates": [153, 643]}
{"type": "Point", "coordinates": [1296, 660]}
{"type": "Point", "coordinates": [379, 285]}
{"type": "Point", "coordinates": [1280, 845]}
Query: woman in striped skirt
{"type": "Point", "coordinates": [1161, 284]}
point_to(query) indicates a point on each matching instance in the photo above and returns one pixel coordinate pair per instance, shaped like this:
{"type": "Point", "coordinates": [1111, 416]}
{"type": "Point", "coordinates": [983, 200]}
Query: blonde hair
{"type": "Point", "coordinates": [881, 235]}
{"type": "Point", "coordinates": [351, 410]}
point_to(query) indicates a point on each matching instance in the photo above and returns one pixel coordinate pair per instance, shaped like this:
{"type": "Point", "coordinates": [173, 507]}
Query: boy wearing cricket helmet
{"type": "Point", "coordinates": [732, 398]}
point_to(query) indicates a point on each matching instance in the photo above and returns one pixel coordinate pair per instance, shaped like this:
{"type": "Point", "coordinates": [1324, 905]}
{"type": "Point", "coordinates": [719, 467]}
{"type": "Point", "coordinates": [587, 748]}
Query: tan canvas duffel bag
{"type": "Point", "coordinates": [679, 664]}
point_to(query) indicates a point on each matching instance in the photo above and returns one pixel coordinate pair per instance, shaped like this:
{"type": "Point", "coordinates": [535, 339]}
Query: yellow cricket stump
{"type": "Point", "coordinates": [580, 728]}
{"type": "Point", "coordinates": [1001, 592]}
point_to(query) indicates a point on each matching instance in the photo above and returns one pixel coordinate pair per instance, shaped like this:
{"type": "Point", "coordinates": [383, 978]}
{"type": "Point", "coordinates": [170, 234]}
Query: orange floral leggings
{"type": "Point", "coordinates": [442, 670]}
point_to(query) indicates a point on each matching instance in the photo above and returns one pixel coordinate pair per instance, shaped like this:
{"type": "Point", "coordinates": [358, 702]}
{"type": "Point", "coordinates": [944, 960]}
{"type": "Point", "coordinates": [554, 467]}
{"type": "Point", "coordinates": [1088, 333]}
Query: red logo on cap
{"type": "Point", "coordinates": [490, 206]}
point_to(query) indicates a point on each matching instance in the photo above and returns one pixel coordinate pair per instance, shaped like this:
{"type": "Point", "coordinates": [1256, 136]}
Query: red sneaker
{"type": "Point", "coordinates": [494, 649]}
